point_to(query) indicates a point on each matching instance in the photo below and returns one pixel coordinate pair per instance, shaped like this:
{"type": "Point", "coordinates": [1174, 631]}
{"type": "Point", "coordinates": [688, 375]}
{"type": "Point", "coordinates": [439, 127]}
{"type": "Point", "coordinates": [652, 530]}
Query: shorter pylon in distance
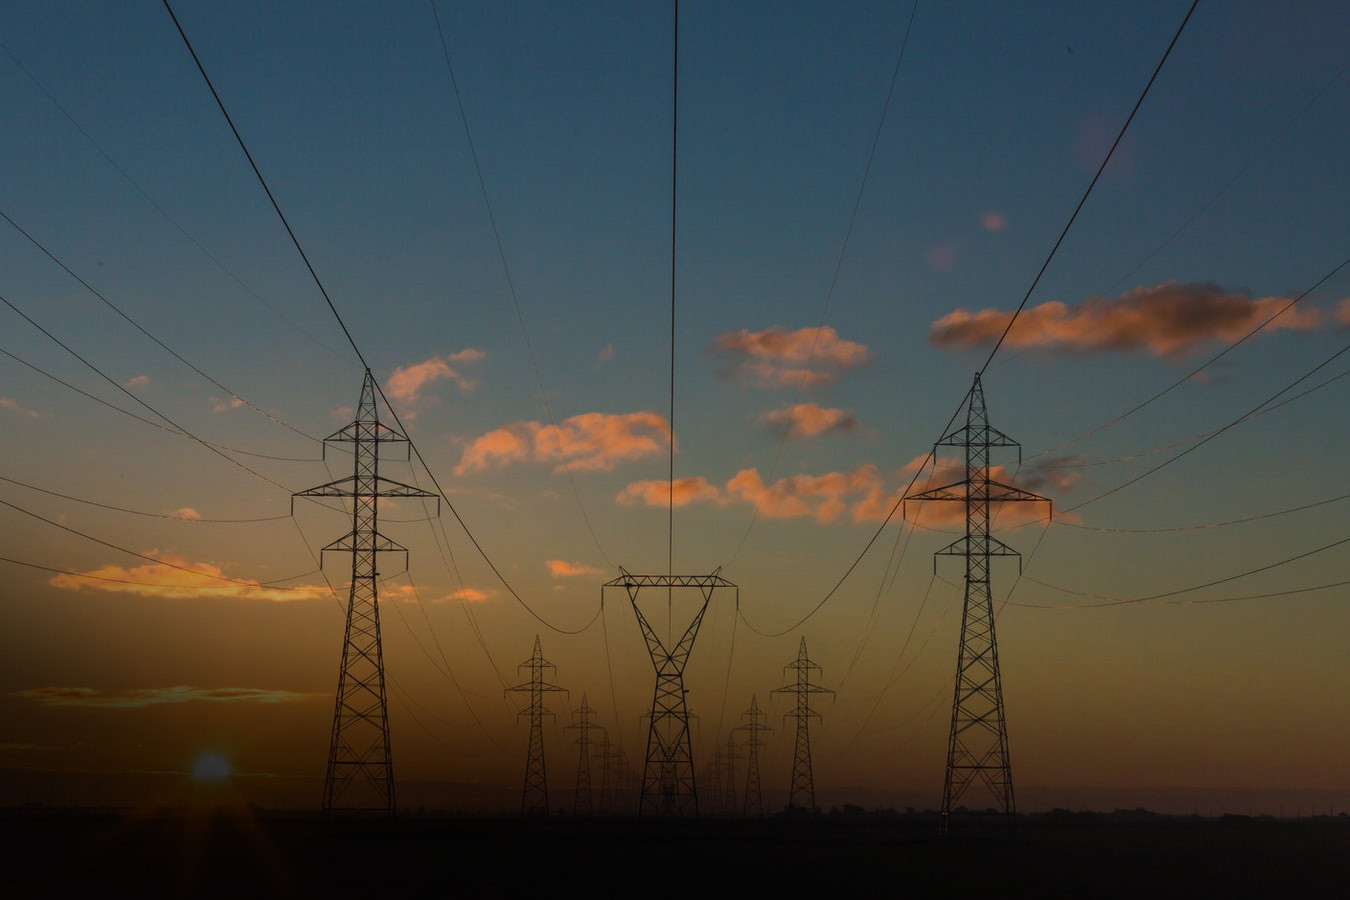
{"type": "Point", "coordinates": [582, 724]}
{"type": "Point", "coordinates": [534, 796]}
{"type": "Point", "coordinates": [754, 798]}
{"type": "Point", "coordinates": [802, 796]}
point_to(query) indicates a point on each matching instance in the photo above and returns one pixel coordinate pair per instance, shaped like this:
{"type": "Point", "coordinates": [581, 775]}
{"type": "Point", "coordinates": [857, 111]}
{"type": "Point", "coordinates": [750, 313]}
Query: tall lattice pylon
{"type": "Point", "coordinates": [754, 797]}
{"type": "Point", "coordinates": [668, 784]}
{"type": "Point", "coordinates": [609, 756]}
{"type": "Point", "coordinates": [730, 805]}
{"type": "Point", "coordinates": [534, 796]}
{"type": "Point", "coordinates": [583, 726]}
{"type": "Point", "coordinates": [802, 796]}
{"type": "Point", "coordinates": [360, 776]}
{"type": "Point", "coordinates": [977, 749]}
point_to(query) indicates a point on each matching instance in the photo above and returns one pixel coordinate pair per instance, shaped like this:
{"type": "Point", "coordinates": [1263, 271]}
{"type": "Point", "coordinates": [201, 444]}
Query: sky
{"type": "Point", "coordinates": [1175, 630]}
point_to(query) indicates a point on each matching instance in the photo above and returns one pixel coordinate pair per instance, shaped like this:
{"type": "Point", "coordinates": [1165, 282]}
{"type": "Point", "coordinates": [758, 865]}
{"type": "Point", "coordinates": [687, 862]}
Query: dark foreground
{"type": "Point", "coordinates": [243, 854]}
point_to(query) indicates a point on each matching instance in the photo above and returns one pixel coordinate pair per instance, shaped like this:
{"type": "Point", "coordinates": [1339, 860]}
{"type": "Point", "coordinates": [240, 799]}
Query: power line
{"type": "Point", "coordinates": [838, 267]}
{"type": "Point", "coordinates": [1100, 169]}
{"type": "Point", "coordinates": [337, 315]}
{"type": "Point", "coordinates": [137, 512]}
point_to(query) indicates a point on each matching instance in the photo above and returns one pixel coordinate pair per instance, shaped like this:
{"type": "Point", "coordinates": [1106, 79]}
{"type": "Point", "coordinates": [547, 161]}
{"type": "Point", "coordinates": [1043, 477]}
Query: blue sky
{"type": "Point", "coordinates": [998, 120]}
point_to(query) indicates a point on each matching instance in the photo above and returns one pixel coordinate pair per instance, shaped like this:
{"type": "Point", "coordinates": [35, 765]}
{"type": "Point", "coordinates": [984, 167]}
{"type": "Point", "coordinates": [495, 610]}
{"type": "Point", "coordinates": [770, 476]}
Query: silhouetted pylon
{"type": "Point", "coordinates": [581, 802]}
{"type": "Point", "coordinates": [977, 747]}
{"type": "Point", "coordinates": [360, 774]}
{"type": "Point", "coordinates": [534, 796]}
{"type": "Point", "coordinates": [610, 773]}
{"type": "Point", "coordinates": [802, 795]}
{"type": "Point", "coordinates": [730, 805]}
{"type": "Point", "coordinates": [668, 784]}
{"type": "Point", "coordinates": [754, 798]}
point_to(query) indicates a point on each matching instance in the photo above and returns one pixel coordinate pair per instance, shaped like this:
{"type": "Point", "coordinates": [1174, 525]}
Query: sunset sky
{"type": "Point", "coordinates": [1183, 627]}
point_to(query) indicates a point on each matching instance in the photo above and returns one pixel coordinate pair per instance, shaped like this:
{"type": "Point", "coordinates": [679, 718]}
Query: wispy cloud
{"type": "Point", "coordinates": [559, 568]}
{"type": "Point", "coordinates": [15, 406]}
{"type": "Point", "coordinates": [777, 358]}
{"type": "Point", "coordinates": [1168, 321]}
{"type": "Point", "coordinates": [138, 384]}
{"type": "Point", "coordinates": [165, 579]}
{"type": "Point", "coordinates": [822, 497]}
{"type": "Point", "coordinates": [591, 441]}
{"type": "Point", "coordinates": [810, 420]}
{"type": "Point", "coordinates": [142, 697]}
{"type": "Point", "coordinates": [187, 512]}
{"type": "Point", "coordinates": [993, 221]}
{"type": "Point", "coordinates": [660, 493]}
{"type": "Point", "coordinates": [407, 383]}
{"type": "Point", "coordinates": [219, 405]}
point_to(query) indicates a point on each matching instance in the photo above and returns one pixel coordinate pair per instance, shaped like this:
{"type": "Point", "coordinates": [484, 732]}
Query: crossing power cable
{"type": "Point", "coordinates": [834, 278]}
{"type": "Point", "coordinates": [314, 275]}
{"type": "Point", "coordinates": [511, 288]}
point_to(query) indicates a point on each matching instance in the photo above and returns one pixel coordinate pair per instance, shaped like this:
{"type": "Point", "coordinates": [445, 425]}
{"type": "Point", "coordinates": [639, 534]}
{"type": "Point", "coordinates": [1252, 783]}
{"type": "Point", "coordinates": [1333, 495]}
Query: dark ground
{"type": "Point", "coordinates": [50, 853]}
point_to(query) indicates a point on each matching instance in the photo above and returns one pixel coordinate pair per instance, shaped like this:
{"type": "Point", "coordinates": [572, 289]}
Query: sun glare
{"type": "Point", "coordinates": [211, 768]}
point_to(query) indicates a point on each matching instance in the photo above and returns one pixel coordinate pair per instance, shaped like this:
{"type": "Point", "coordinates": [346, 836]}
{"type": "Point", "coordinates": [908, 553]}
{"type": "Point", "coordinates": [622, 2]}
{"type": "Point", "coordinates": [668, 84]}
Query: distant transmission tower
{"type": "Point", "coordinates": [581, 802]}
{"type": "Point", "coordinates": [534, 797]}
{"type": "Point", "coordinates": [609, 756]}
{"type": "Point", "coordinates": [754, 799]}
{"type": "Point", "coordinates": [668, 787]}
{"type": "Point", "coordinates": [729, 806]}
{"type": "Point", "coordinates": [977, 749]}
{"type": "Point", "coordinates": [360, 776]}
{"type": "Point", "coordinates": [802, 796]}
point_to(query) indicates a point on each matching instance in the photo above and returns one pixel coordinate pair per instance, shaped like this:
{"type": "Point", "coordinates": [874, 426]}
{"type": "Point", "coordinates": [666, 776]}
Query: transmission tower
{"type": "Point", "coordinates": [668, 787]}
{"type": "Point", "coordinates": [534, 797]}
{"type": "Point", "coordinates": [802, 796]}
{"type": "Point", "coordinates": [581, 802]}
{"type": "Point", "coordinates": [977, 750]}
{"type": "Point", "coordinates": [754, 799]}
{"type": "Point", "coordinates": [729, 805]}
{"type": "Point", "coordinates": [609, 774]}
{"type": "Point", "coordinates": [360, 775]}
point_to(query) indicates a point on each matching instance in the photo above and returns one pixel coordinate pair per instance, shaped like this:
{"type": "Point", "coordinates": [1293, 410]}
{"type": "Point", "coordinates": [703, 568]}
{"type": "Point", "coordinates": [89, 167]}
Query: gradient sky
{"type": "Point", "coordinates": [1228, 197]}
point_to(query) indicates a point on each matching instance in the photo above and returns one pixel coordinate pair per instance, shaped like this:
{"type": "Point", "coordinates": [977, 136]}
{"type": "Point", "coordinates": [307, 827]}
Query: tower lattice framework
{"type": "Point", "coordinates": [534, 795]}
{"type": "Point", "coordinates": [802, 795]}
{"type": "Point", "coordinates": [583, 726]}
{"type": "Point", "coordinates": [729, 806]}
{"type": "Point", "coordinates": [754, 797]}
{"type": "Point", "coordinates": [360, 774]}
{"type": "Point", "coordinates": [668, 783]}
{"type": "Point", "coordinates": [977, 749]}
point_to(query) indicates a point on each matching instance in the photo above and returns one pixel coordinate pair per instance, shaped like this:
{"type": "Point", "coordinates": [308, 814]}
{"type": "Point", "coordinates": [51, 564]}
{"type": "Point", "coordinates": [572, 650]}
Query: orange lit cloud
{"type": "Point", "coordinates": [187, 512]}
{"type": "Point", "coordinates": [219, 406]}
{"type": "Point", "coordinates": [1342, 313]}
{"type": "Point", "coordinates": [590, 441]}
{"type": "Point", "coordinates": [1167, 321]}
{"type": "Point", "coordinates": [138, 383]}
{"type": "Point", "coordinates": [15, 406]}
{"type": "Point", "coordinates": [822, 497]}
{"type": "Point", "coordinates": [162, 579]}
{"type": "Point", "coordinates": [407, 382]}
{"type": "Point", "coordinates": [559, 568]}
{"type": "Point", "coordinates": [776, 358]}
{"type": "Point", "coordinates": [993, 221]}
{"type": "Point", "coordinates": [141, 697]}
{"type": "Point", "coordinates": [660, 493]}
{"type": "Point", "coordinates": [810, 420]}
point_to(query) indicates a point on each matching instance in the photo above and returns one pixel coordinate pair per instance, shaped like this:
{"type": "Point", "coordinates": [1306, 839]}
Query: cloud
{"type": "Point", "coordinates": [952, 513]}
{"type": "Point", "coordinates": [993, 221]}
{"type": "Point", "coordinates": [15, 406]}
{"type": "Point", "coordinates": [141, 697]}
{"type": "Point", "coordinates": [219, 406]}
{"type": "Point", "coordinates": [407, 382]}
{"type": "Point", "coordinates": [1168, 321]}
{"type": "Point", "coordinates": [559, 568]}
{"type": "Point", "coordinates": [138, 383]}
{"type": "Point", "coordinates": [163, 579]}
{"type": "Point", "coordinates": [187, 512]}
{"type": "Point", "coordinates": [469, 595]}
{"type": "Point", "coordinates": [776, 358]}
{"type": "Point", "coordinates": [822, 497]}
{"type": "Point", "coordinates": [605, 354]}
{"type": "Point", "coordinates": [941, 257]}
{"type": "Point", "coordinates": [659, 493]}
{"type": "Point", "coordinates": [590, 441]}
{"type": "Point", "coordinates": [1342, 313]}
{"type": "Point", "coordinates": [810, 420]}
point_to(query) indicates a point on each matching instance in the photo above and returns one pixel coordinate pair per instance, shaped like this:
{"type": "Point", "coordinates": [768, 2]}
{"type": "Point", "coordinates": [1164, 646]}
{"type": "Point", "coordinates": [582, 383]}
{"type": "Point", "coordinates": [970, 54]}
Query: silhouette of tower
{"type": "Point", "coordinates": [668, 787]}
{"type": "Point", "coordinates": [610, 773]}
{"type": "Point", "coordinates": [729, 805]}
{"type": "Point", "coordinates": [977, 749]}
{"type": "Point", "coordinates": [360, 775]}
{"type": "Point", "coordinates": [534, 797]}
{"type": "Point", "coordinates": [581, 802]}
{"type": "Point", "coordinates": [754, 799]}
{"type": "Point", "coordinates": [802, 795]}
